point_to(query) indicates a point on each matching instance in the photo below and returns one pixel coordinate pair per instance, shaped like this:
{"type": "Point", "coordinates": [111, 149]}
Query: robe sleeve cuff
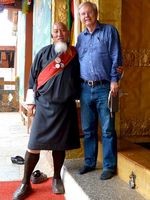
{"type": "Point", "coordinates": [30, 98]}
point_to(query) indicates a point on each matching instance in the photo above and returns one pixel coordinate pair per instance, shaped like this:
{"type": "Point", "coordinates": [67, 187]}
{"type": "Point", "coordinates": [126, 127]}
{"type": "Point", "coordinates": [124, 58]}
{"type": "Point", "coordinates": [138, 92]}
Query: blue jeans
{"type": "Point", "coordinates": [94, 105]}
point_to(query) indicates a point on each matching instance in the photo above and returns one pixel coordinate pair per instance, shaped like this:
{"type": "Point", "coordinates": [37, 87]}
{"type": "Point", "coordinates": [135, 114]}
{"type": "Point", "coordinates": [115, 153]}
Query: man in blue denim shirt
{"type": "Point", "coordinates": [100, 59]}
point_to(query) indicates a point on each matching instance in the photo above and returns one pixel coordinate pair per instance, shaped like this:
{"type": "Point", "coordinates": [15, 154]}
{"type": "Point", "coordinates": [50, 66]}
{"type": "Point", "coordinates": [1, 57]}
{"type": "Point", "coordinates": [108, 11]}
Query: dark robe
{"type": "Point", "coordinates": [55, 125]}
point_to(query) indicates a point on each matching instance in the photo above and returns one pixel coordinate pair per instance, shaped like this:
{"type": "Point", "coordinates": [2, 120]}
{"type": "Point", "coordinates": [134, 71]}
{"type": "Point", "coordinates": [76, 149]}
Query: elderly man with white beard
{"type": "Point", "coordinates": [54, 84]}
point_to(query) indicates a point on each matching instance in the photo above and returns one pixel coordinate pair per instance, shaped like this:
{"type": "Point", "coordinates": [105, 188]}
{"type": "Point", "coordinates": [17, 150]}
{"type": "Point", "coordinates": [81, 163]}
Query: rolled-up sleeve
{"type": "Point", "coordinates": [115, 53]}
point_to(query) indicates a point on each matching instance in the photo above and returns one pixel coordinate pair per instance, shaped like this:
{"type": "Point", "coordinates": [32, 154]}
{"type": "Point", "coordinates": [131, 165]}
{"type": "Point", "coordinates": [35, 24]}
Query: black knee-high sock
{"type": "Point", "coordinates": [58, 160]}
{"type": "Point", "coordinates": [31, 160]}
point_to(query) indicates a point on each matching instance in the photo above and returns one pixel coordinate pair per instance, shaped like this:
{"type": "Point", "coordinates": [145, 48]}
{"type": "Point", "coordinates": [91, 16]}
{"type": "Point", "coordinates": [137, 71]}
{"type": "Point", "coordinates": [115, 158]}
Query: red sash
{"type": "Point", "coordinates": [51, 70]}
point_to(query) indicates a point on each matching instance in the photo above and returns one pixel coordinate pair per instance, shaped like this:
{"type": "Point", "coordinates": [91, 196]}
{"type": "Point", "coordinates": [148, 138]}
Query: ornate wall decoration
{"type": "Point", "coordinates": [59, 11]}
{"type": "Point", "coordinates": [136, 58]}
{"type": "Point", "coordinates": [135, 127]}
{"type": "Point", "coordinates": [134, 107]}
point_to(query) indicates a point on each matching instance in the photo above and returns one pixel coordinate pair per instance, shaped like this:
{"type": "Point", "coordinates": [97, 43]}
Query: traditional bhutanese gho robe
{"type": "Point", "coordinates": [55, 125]}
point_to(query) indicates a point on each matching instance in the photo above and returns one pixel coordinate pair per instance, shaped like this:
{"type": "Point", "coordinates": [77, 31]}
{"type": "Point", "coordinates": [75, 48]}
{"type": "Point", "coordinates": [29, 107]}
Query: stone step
{"type": "Point", "coordinates": [90, 187]}
{"type": "Point", "coordinates": [136, 159]}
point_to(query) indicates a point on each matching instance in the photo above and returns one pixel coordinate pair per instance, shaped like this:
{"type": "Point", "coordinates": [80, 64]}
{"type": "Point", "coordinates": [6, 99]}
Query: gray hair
{"type": "Point", "coordinates": [92, 5]}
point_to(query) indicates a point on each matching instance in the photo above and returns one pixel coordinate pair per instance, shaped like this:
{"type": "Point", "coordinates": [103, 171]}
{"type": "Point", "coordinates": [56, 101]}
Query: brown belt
{"type": "Point", "coordinates": [94, 83]}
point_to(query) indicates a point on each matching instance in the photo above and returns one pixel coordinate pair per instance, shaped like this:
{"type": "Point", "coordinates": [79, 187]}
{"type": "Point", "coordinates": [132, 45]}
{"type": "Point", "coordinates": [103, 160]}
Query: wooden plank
{"type": "Point", "coordinates": [7, 82]}
{"type": "Point", "coordinates": [27, 120]}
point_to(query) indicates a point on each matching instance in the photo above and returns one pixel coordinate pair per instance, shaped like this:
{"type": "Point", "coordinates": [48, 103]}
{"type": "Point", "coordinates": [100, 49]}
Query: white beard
{"type": "Point", "coordinates": [60, 47]}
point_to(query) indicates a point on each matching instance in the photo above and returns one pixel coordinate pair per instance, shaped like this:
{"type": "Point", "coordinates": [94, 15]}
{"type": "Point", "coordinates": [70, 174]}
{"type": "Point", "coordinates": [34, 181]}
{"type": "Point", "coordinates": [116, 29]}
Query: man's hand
{"type": "Point", "coordinates": [30, 108]}
{"type": "Point", "coordinates": [114, 88]}
{"type": "Point", "coordinates": [120, 69]}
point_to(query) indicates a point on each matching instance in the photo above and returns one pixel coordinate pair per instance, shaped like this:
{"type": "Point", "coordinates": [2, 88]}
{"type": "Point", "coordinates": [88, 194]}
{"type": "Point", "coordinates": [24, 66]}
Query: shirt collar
{"type": "Point", "coordinates": [98, 27]}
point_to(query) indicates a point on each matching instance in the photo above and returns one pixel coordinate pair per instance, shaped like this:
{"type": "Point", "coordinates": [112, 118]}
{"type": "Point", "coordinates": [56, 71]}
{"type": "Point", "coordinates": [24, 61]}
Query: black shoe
{"type": "Point", "coordinates": [58, 186]}
{"type": "Point", "coordinates": [17, 160]}
{"type": "Point", "coordinates": [85, 170]}
{"type": "Point", "coordinates": [22, 192]}
{"type": "Point", "coordinates": [38, 177]}
{"type": "Point", "coordinates": [107, 175]}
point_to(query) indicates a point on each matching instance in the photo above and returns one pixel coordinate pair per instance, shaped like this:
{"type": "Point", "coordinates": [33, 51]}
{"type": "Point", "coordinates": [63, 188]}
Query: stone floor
{"type": "Point", "coordinates": [13, 142]}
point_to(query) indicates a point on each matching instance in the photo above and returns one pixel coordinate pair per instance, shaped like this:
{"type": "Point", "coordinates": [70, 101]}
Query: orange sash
{"type": "Point", "coordinates": [55, 66]}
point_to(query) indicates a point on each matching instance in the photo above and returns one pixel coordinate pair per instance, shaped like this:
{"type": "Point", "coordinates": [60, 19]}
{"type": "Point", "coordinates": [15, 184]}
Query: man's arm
{"type": "Point", "coordinates": [116, 57]}
{"type": "Point", "coordinates": [30, 97]}
{"type": "Point", "coordinates": [115, 52]}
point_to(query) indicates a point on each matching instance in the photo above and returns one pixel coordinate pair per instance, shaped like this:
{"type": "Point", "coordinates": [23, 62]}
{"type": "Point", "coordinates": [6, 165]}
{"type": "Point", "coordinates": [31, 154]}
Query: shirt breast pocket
{"type": "Point", "coordinates": [101, 47]}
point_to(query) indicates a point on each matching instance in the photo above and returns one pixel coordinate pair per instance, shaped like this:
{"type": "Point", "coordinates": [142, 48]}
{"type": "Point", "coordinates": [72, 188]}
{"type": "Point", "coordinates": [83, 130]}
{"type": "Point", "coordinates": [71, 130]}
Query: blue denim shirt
{"type": "Point", "coordinates": [99, 53]}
